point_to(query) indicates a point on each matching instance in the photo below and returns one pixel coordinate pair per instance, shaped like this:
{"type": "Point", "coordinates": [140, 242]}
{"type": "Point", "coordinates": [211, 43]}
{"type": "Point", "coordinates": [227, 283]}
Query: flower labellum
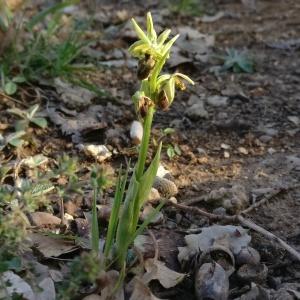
{"type": "Point", "coordinates": [162, 100]}
{"type": "Point", "coordinates": [145, 67]}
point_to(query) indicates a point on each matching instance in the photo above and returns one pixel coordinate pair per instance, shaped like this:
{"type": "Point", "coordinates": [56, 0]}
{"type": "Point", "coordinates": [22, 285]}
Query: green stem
{"type": "Point", "coordinates": [145, 143]}
{"type": "Point", "coordinates": [95, 228]}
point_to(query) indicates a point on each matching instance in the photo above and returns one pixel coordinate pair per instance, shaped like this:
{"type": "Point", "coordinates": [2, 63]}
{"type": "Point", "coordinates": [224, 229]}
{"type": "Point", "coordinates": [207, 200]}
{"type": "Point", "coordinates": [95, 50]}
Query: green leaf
{"type": "Point", "coordinates": [170, 152]}
{"type": "Point", "coordinates": [147, 179]}
{"type": "Point", "coordinates": [169, 130]}
{"type": "Point", "coordinates": [16, 142]}
{"type": "Point", "coordinates": [126, 226]}
{"type": "Point", "coordinates": [10, 88]}
{"type": "Point", "coordinates": [113, 220]}
{"type": "Point", "coordinates": [177, 150]}
{"type": "Point", "coordinates": [32, 111]}
{"type": "Point", "coordinates": [21, 125]}
{"type": "Point", "coordinates": [19, 79]}
{"type": "Point", "coordinates": [41, 122]}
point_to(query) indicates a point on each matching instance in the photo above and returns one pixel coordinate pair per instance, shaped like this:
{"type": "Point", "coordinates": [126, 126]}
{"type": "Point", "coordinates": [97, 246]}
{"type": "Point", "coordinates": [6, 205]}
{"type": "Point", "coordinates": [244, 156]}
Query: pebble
{"type": "Point", "coordinates": [136, 132]}
{"type": "Point", "coordinates": [226, 154]}
{"type": "Point", "coordinates": [271, 151]}
{"type": "Point", "coordinates": [265, 138]}
{"type": "Point", "coordinates": [225, 146]}
{"type": "Point", "coordinates": [154, 196]}
{"type": "Point", "coordinates": [197, 111]}
{"type": "Point", "coordinates": [217, 101]}
{"type": "Point", "coordinates": [243, 150]}
{"type": "Point", "coordinates": [294, 119]}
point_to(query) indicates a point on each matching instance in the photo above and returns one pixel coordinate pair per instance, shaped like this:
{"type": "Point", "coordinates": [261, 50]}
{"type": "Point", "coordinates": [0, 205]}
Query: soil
{"type": "Point", "coordinates": [253, 140]}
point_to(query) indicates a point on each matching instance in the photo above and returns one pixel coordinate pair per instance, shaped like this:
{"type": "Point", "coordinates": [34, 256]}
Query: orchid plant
{"type": "Point", "coordinates": [157, 92]}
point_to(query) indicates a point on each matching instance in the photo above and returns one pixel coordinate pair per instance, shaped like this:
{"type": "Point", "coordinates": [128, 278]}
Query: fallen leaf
{"type": "Point", "coordinates": [39, 218]}
{"type": "Point", "coordinates": [52, 246]}
{"type": "Point", "coordinates": [235, 237]}
{"type": "Point", "coordinates": [157, 270]}
{"type": "Point", "coordinates": [141, 291]}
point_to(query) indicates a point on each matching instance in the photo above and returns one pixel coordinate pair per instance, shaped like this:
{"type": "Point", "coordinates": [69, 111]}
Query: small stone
{"type": "Point", "coordinates": [154, 196]}
{"type": "Point", "coordinates": [197, 111]}
{"type": "Point", "coordinates": [243, 150]}
{"type": "Point", "coordinates": [226, 154]}
{"type": "Point", "coordinates": [265, 138]}
{"type": "Point", "coordinates": [136, 132]}
{"type": "Point", "coordinates": [147, 211]}
{"type": "Point", "coordinates": [294, 119]}
{"type": "Point", "coordinates": [271, 151]}
{"type": "Point", "coordinates": [217, 101]}
{"type": "Point", "coordinates": [99, 152]}
{"type": "Point", "coordinates": [225, 146]}
{"type": "Point", "coordinates": [201, 151]}
{"type": "Point", "coordinates": [220, 211]}
{"type": "Point", "coordinates": [173, 200]}
{"type": "Point", "coordinates": [165, 187]}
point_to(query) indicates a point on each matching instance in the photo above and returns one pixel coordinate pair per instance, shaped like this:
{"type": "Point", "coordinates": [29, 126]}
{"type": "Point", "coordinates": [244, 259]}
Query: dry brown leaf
{"type": "Point", "coordinates": [157, 270]}
{"type": "Point", "coordinates": [39, 218]}
{"type": "Point", "coordinates": [141, 291]}
{"type": "Point", "coordinates": [107, 283]}
{"type": "Point", "coordinates": [52, 246]}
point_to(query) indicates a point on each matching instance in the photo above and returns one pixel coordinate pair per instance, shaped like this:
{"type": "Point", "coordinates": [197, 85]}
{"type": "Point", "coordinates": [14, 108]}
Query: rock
{"type": "Point", "coordinates": [294, 119]}
{"type": "Point", "coordinates": [147, 211]}
{"type": "Point", "coordinates": [217, 101]}
{"type": "Point", "coordinates": [99, 152]}
{"type": "Point", "coordinates": [243, 150]}
{"type": "Point", "coordinates": [271, 151]}
{"type": "Point", "coordinates": [154, 196]}
{"type": "Point", "coordinates": [247, 255]}
{"type": "Point", "coordinates": [197, 111]}
{"type": "Point", "coordinates": [253, 273]}
{"type": "Point", "coordinates": [265, 138]}
{"type": "Point", "coordinates": [211, 282]}
{"type": "Point", "coordinates": [226, 154]}
{"type": "Point", "coordinates": [136, 132]}
{"type": "Point", "coordinates": [232, 199]}
{"type": "Point", "coordinates": [293, 162]}
{"type": "Point", "coordinates": [225, 146]}
{"type": "Point", "coordinates": [165, 187]}
{"type": "Point", "coordinates": [16, 286]}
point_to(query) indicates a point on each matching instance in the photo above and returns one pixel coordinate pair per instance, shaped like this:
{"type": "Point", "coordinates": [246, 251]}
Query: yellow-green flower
{"type": "Point", "coordinates": [149, 43]}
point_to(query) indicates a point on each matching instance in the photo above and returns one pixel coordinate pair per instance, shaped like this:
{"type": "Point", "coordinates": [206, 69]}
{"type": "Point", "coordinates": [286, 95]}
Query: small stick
{"type": "Point", "coordinates": [267, 198]}
{"type": "Point", "coordinates": [269, 235]}
{"type": "Point", "coordinates": [242, 221]}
